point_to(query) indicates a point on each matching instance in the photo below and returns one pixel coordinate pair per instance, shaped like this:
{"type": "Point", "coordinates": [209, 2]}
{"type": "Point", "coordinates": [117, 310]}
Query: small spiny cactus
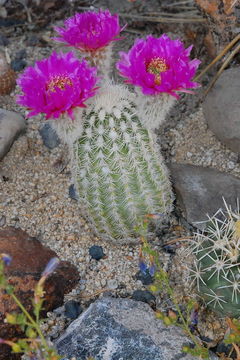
{"type": "Point", "coordinates": [216, 270]}
{"type": "Point", "coordinates": [7, 76]}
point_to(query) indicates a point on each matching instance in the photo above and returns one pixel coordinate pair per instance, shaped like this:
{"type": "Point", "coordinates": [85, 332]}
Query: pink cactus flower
{"type": "Point", "coordinates": [57, 85]}
{"type": "Point", "coordinates": [90, 31]}
{"type": "Point", "coordinates": [159, 65]}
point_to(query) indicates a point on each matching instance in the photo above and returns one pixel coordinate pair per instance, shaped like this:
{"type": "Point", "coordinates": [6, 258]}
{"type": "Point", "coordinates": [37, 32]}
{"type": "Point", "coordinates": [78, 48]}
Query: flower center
{"type": "Point", "coordinates": [58, 81]}
{"type": "Point", "coordinates": [156, 66]}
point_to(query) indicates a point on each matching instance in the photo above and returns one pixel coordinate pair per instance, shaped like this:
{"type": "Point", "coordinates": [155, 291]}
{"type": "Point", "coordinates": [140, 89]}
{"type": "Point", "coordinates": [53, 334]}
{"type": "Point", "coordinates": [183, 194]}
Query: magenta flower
{"type": "Point", "coordinates": [90, 30]}
{"type": "Point", "coordinates": [159, 65]}
{"type": "Point", "coordinates": [57, 85]}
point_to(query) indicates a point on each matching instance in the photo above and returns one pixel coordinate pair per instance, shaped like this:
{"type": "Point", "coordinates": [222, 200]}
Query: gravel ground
{"type": "Point", "coordinates": [36, 200]}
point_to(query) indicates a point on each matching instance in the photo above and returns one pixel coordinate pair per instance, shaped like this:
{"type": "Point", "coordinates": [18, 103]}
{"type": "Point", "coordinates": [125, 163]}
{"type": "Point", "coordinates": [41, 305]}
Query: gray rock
{"type": "Point", "coordinates": [49, 136]}
{"type": "Point", "coordinates": [12, 125]}
{"type": "Point", "coordinates": [221, 109]}
{"type": "Point", "coordinates": [121, 329]}
{"type": "Point", "coordinates": [72, 192]}
{"type": "Point", "coordinates": [200, 190]}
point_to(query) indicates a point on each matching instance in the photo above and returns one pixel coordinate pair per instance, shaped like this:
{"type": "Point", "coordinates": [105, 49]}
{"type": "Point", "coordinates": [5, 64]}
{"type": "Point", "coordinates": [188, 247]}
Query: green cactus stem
{"type": "Point", "coordinates": [119, 173]}
{"type": "Point", "coordinates": [216, 270]}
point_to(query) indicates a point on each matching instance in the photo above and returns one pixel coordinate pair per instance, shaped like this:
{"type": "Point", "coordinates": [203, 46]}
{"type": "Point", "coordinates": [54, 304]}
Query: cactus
{"type": "Point", "coordinates": [119, 175]}
{"type": "Point", "coordinates": [118, 171]}
{"type": "Point", "coordinates": [216, 270]}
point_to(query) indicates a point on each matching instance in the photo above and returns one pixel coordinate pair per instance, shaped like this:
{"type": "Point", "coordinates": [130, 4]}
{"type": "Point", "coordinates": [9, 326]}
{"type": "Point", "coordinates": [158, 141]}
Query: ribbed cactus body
{"type": "Point", "coordinates": [120, 175]}
{"type": "Point", "coordinates": [217, 266]}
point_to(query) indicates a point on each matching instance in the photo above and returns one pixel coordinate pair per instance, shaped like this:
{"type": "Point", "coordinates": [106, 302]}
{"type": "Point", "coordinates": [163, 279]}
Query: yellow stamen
{"type": "Point", "coordinates": [59, 81]}
{"type": "Point", "coordinates": [156, 66]}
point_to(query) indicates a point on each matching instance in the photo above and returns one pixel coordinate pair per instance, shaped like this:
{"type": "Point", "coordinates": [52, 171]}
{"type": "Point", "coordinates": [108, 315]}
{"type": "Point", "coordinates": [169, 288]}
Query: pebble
{"type": "Point", "coordinates": [49, 136]}
{"type": "Point", "coordinates": [96, 252]}
{"type": "Point", "coordinates": [145, 278]}
{"type": "Point", "coordinates": [2, 220]}
{"type": "Point", "coordinates": [72, 192]}
{"type": "Point", "coordinates": [72, 309]}
{"type": "Point", "coordinates": [18, 64]}
{"type": "Point", "coordinates": [144, 296]}
{"type": "Point", "coordinates": [112, 284]}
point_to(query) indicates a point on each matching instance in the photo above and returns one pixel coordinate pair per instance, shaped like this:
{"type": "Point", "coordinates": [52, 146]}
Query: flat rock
{"type": "Point", "coordinates": [221, 109]}
{"type": "Point", "coordinates": [29, 258]}
{"type": "Point", "coordinates": [117, 329]}
{"type": "Point", "coordinates": [12, 125]}
{"type": "Point", "coordinates": [200, 190]}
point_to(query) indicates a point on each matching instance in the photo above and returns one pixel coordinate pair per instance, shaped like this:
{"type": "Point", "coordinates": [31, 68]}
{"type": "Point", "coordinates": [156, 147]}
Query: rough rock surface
{"type": "Point", "coordinates": [11, 125]}
{"type": "Point", "coordinates": [49, 136]}
{"type": "Point", "coordinates": [200, 190]}
{"type": "Point", "coordinates": [121, 329]}
{"type": "Point", "coordinates": [221, 109]}
{"type": "Point", "coordinates": [29, 259]}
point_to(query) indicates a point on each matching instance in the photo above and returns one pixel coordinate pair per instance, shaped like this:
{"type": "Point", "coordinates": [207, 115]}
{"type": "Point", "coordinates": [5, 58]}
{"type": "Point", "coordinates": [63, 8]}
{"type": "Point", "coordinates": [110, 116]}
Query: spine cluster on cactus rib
{"type": "Point", "coordinates": [216, 270]}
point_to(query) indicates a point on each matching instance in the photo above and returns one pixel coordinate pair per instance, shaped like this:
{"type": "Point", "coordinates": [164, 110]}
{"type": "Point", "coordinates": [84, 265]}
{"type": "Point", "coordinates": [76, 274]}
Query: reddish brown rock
{"type": "Point", "coordinates": [29, 258]}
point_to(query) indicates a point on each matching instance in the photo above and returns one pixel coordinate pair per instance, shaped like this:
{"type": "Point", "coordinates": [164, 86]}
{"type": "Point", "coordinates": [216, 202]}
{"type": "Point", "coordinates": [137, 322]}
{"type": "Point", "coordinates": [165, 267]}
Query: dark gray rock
{"type": "Point", "coordinates": [200, 190]}
{"type": "Point", "coordinates": [144, 296]}
{"type": "Point", "coordinates": [72, 192]}
{"type": "Point", "coordinates": [21, 54]}
{"type": "Point", "coordinates": [221, 109]}
{"type": "Point", "coordinates": [72, 309]}
{"type": "Point", "coordinates": [121, 329]}
{"type": "Point", "coordinates": [12, 125]}
{"type": "Point", "coordinates": [18, 64]}
{"type": "Point", "coordinates": [96, 252]}
{"type": "Point", "coordinates": [49, 136]}
{"type": "Point", "coordinates": [144, 277]}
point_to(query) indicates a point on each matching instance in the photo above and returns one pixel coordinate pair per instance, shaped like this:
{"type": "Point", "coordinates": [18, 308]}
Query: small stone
{"type": "Point", "coordinates": [21, 54]}
{"type": "Point", "coordinates": [145, 278]}
{"type": "Point", "coordinates": [222, 348]}
{"type": "Point", "coordinates": [12, 125]}
{"type": "Point", "coordinates": [144, 296]}
{"type": "Point", "coordinates": [18, 64]}
{"type": "Point", "coordinates": [231, 165]}
{"type": "Point", "coordinates": [96, 252]}
{"type": "Point", "coordinates": [49, 136]}
{"type": "Point", "coordinates": [73, 309]}
{"type": "Point", "coordinates": [2, 220]}
{"type": "Point", "coordinates": [72, 192]}
{"type": "Point", "coordinates": [112, 284]}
